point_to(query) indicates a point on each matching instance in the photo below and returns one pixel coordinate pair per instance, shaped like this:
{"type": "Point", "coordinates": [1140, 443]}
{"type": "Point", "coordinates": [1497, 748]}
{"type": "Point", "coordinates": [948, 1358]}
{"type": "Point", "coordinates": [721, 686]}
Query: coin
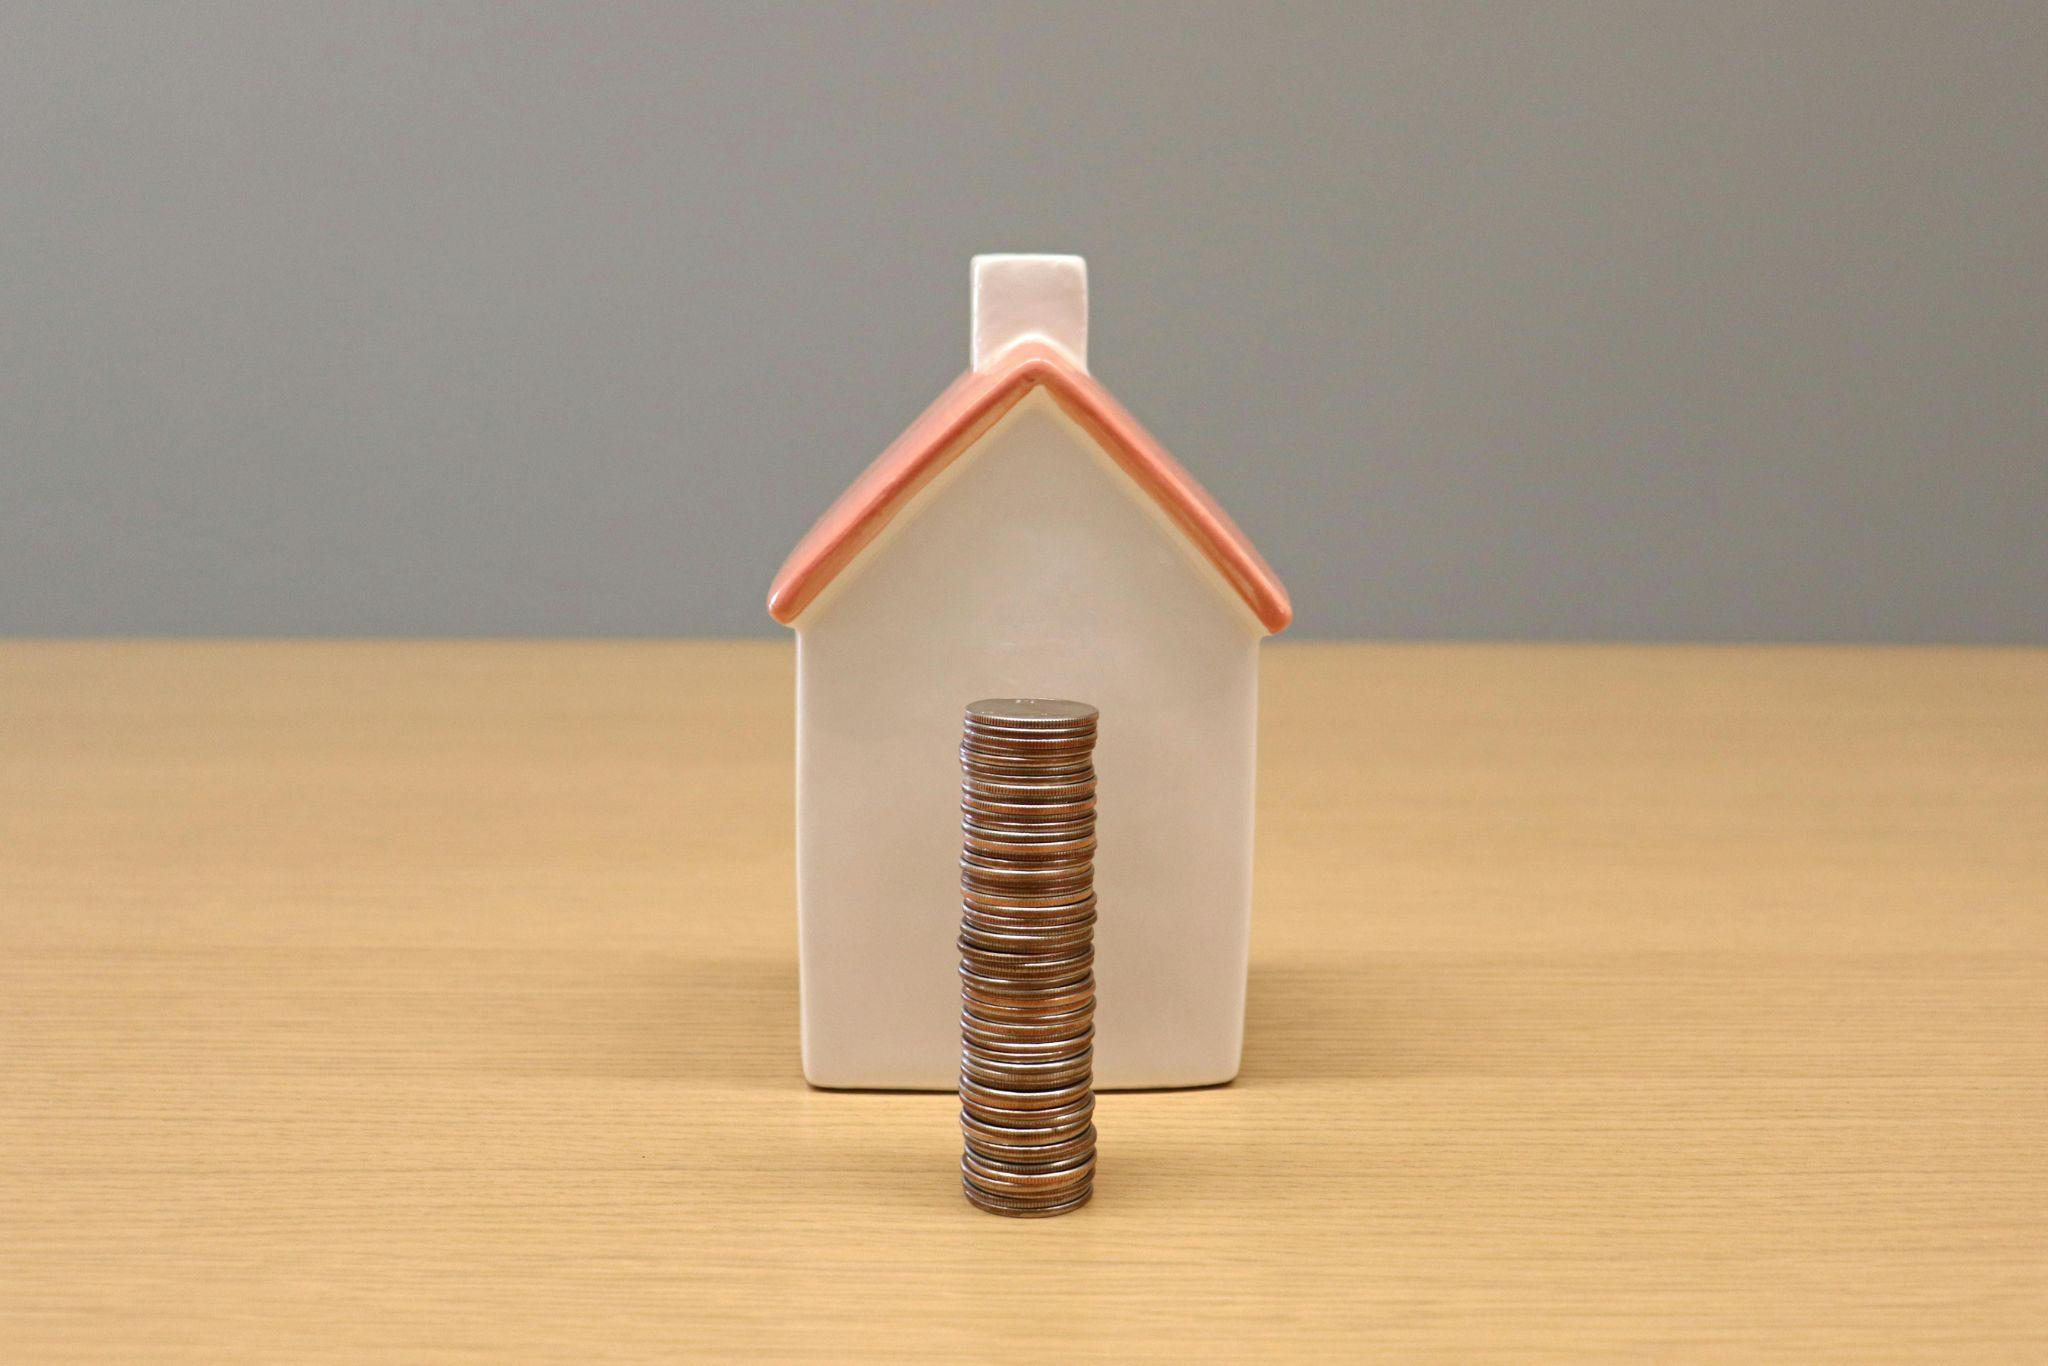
{"type": "Point", "coordinates": [1046, 1122]}
{"type": "Point", "coordinates": [1041, 1028]}
{"type": "Point", "coordinates": [991, 1149]}
{"type": "Point", "coordinates": [1023, 994]}
{"type": "Point", "coordinates": [989, 1043]}
{"type": "Point", "coordinates": [1066, 915]}
{"type": "Point", "coordinates": [1024, 1209]}
{"type": "Point", "coordinates": [1043, 1129]}
{"type": "Point", "coordinates": [1027, 1178]}
{"type": "Point", "coordinates": [1069, 936]}
{"type": "Point", "coordinates": [1059, 1071]}
{"type": "Point", "coordinates": [1031, 711]}
{"type": "Point", "coordinates": [1027, 1009]}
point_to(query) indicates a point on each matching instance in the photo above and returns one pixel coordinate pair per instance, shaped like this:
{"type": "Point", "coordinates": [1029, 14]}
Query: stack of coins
{"type": "Point", "coordinates": [1027, 953]}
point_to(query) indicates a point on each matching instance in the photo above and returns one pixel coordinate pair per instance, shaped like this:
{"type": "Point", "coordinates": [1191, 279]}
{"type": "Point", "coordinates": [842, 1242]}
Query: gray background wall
{"type": "Point", "coordinates": [1718, 321]}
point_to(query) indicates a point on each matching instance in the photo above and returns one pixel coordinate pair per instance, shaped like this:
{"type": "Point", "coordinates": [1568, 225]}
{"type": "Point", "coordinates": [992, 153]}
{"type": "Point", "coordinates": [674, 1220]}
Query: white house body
{"type": "Point", "coordinates": [1025, 550]}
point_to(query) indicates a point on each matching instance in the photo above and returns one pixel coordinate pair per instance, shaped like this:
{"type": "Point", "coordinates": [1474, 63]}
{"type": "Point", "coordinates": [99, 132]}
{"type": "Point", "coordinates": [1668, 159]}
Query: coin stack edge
{"type": "Point", "coordinates": [1027, 1017]}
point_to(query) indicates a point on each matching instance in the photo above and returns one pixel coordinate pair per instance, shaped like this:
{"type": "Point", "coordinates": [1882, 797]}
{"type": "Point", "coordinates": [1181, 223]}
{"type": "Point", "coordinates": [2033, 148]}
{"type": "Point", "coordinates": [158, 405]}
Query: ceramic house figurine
{"type": "Point", "coordinates": [1025, 537]}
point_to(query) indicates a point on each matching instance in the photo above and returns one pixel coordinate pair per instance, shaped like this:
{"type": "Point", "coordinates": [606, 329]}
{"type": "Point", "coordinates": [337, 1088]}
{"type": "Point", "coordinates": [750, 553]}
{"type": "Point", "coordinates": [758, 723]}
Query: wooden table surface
{"type": "Point", "coordinates": [439, 1000]}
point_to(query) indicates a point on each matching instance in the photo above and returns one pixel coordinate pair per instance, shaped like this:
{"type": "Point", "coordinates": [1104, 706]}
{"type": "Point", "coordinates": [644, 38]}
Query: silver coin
{"type": "Point", "coordinates": [1044, 894]}
{"type": "Point", "coordinates": [1021, 1202]}
{"type": "Point", "coordinates": [1007, 1143]}
{"type": "Point", "coordinates": [983, 758]}
{"type": "Point", "coordinates": [1021, 901]}
{"type": "Point", "coordinates": [1034, 779]}
{"type": "Point", "coordinates": [1026, 963]}
{"type": "Point", "coordinates": [1026, 813]}
{"type": "Point", "coordinates": [1037, 941]}
{"type": "Point", "coordinates": [1039, 993]}
{"type": "Point", "coordinates": [988, 1043]}
{"type": "Point", "coordinates": [1039, 1127]}
{"type": "Point", "coordinates": [1033, 881]}
{"type": "Point", "coordinates": [1037, 1131]}
{"type": "Point", "coordinates": [1011, 964]}
{"type": "Point", "coordinates": [1033, 776]}
{"type": "Point", "coordinates": [1050, 1072]}
{"type": "Point", "coordinates": [982, 752]}
{"type": "Point", "coordinates": [1083, 1142]}
{"type": "Point", "coordinates": [1027, 1178]}
{"type": "Point", "coordinates": [1029, 875]}
{"type": "Point", "coordinates": [1030, 1067]}
{"type": "Point", "coordinates": [1000, 982]}
{"type": "Point", "coordinates": [1028, 919]}
{"type": "Point", "coordinates": [1013, 748]}
{"type": "Point", "coordinates": [980, 862]}
{"type": "Point", "coordinates": [1026, 1010]}
{"type": "Point", "coordinates": [1042, 941]}
{"type": "Point", "coordinates": [1049, 1017]}
{"type": "Point", "coordinates": [1012, 1100]}
{"type": "Point", "coordinates": [1026, 828]}
{"type": "Point", "coordinates": [1040, 881]}
{"type": "Point", "coordinates": [1050, 823]}
{"type": "Point", "coordinates": [992, 914]}
{"type": "Point", "coordinates": [1025, 1035]}
{"type": "Point", "coordinates": [999, 743]}
{"type": "Point", "coordinates": [1035, 1073]}
{"type": "Point", "coordinates": [1047, 1120]}
{"type": "Point", "coordinates": [1044, 766]}
{"type": "Point", "coordinates": [1044, 1028]}
{"type": "Point", "coordinates": [1018, 969]}
{"type": "Point", "coordinates": [1062, 793]}
{"type": "Point", "coordinates": [1041, 910]}
{"type": "Point", "coordinates": [1004, 917]}
{"type": "Point", "coordinates": [1026, 1175]}
{"type": "Point", "coordinates": [1045, 940]}
{"type": "Point", "coordinates": [974, 724]}
{"type": "Point", "coordinates": [1031, 712]}
{"type": "Point", "coordinates": [1045, 913]}
{"type": "Point", "coordinates": [1022, 991]}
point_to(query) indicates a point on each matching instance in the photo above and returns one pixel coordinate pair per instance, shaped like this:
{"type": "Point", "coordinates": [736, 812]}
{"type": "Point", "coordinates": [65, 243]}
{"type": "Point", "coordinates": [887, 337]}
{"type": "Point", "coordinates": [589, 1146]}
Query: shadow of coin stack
{"type": "Point", "coordinates": [1027, 954]}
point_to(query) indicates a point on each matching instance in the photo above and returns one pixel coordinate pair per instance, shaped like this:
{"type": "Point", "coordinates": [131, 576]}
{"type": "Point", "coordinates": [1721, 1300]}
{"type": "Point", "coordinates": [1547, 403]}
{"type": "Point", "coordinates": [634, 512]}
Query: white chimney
{"type": "Point", "coordinates": [1030, 298]}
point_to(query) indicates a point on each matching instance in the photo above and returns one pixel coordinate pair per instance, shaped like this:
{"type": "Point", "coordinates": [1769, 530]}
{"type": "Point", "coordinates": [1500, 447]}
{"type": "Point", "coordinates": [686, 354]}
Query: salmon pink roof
{"type": "Point", "coordinates": [959, 416]}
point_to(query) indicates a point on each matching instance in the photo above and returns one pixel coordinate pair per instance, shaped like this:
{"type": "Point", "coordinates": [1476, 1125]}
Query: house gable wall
{"type": "Point", "coordinates": [1031, 566]}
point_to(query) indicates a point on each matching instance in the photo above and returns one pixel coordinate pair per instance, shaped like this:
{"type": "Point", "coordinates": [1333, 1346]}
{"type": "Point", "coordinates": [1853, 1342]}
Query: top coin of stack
{"type": "Point", "coordinates": [1027, 924]}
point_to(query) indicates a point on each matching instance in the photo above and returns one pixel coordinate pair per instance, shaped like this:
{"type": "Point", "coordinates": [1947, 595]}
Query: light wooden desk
{"type": "Point", "coordinates": [439, 1000]}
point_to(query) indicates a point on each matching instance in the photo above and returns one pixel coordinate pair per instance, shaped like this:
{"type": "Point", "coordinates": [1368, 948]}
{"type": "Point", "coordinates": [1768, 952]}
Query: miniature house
{"type": "Point", "coordinates": [1025, 537]}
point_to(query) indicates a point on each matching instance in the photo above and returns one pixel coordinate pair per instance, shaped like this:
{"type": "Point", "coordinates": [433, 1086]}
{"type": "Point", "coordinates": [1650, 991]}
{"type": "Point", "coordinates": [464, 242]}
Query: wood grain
{"type": "Point", "coordinates": [438, 1001]}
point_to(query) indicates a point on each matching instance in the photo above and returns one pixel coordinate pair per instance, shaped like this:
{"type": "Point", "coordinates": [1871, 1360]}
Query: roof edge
{"type": "Point", "coordinates": [957, 418]}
